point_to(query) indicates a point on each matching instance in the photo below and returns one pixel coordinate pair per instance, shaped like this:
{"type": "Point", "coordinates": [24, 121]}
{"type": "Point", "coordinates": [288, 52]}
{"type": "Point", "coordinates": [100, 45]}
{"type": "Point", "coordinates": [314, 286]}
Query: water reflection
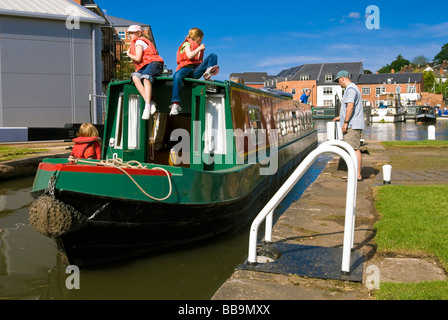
{"type": "Point", "coordinates": [402, 131]}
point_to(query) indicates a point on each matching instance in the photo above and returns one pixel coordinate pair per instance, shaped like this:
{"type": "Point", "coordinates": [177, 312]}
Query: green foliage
{"type": "Point", "coordinates": [397, 64]}
{"type": "Point", "coordinates": [442, 55]}
{"type": "Point", "coordinates": [9, 153]}
{"type": "Point", "coordinates": [414, 220]}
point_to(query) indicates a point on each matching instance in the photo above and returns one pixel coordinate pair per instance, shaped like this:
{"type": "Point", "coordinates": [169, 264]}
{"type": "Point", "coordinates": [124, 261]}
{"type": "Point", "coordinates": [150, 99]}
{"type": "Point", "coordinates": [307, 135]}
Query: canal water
{"type": "Point", "coordinates": [30, 267]}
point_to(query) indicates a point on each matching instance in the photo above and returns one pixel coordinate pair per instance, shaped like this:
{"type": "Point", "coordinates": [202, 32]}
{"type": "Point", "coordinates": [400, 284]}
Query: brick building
{"type": "Point", "coordinates": [409, 85]}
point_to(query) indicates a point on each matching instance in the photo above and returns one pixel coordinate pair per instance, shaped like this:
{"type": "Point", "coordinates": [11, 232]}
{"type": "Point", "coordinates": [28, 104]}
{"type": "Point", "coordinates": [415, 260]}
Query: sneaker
{"type": "Point", "coordinates": [146, 113]}
{"type": "Point", "coordinates": [153, 107]}
{"type": "Point", "coordinates": [211, 71]}
{"type": "Point", "coordinates": [175, 109]}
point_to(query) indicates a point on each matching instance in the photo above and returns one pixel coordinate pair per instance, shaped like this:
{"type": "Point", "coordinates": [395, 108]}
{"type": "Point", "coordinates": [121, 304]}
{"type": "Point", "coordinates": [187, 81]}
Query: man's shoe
{"type": "Point", "coordinates": [211, 71]}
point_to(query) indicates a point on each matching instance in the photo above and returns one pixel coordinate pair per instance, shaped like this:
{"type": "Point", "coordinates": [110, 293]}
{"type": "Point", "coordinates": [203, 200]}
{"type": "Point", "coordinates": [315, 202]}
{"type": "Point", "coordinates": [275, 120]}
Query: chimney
{"type": "Point", "coordinates": [392, 71]}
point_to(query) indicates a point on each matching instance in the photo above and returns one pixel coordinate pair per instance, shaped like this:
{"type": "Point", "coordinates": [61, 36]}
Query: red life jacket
{"type": "Point", "coordinates": [149, 55]}
{"type": "Point", "coordinates": [86, 147]}
{"type": "Point", "coordinates": [182, 58]}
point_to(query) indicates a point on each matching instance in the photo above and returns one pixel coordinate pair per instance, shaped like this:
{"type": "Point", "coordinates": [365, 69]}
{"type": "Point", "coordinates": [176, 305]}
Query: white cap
{"type": "Point", "coordinates": [135, 28]}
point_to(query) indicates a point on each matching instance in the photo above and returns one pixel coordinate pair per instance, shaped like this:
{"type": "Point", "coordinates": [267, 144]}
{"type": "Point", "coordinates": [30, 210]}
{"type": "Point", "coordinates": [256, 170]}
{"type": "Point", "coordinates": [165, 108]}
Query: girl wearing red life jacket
{"type": "Point", "coordinates": [148, 65]}
{"type": "Point", "coordinates": [87, 145]}
{"type": "Point", "coordinates": [191, 64]}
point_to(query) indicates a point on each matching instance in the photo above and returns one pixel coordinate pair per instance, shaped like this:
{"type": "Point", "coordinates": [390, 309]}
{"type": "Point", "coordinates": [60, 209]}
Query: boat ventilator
{"type": "Point", "coordinates": [119, 164]}
{"type": "Point", "coordinates": [347, 153]}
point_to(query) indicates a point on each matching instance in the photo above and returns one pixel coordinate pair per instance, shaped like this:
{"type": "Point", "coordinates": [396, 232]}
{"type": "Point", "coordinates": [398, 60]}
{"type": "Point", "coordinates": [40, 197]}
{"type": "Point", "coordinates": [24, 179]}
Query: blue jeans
{"type": "Point", "coordinates": [195, 73]}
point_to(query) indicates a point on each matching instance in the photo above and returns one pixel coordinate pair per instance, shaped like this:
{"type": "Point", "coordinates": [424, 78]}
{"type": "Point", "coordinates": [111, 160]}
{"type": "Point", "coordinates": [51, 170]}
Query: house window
{"type": "Point", "coordinates": [411, 89]}
{"type": "Point", "coordinates": [380, 90]}
{"type": "Point", "coordinates": [293, 91]}
{"type": "Point", "coordinates": [366, 91]}
{"type": "Point", "coordinates": [328, 103]}
{"type": "Point", "coordinates": [304, 78]}
{"type": "Point", "coordinates": [122, 34]}
{"type": "Point", "coordinates": [328, 90]}
{"type": "Point", "coordinates": [328, 77]}
{"type": "Point", "coordinates": [305, 89]}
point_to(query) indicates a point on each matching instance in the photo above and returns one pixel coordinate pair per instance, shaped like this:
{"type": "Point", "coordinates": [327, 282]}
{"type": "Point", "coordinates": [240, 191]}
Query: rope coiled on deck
{"type": "Point", "coordinates": [120, 165]}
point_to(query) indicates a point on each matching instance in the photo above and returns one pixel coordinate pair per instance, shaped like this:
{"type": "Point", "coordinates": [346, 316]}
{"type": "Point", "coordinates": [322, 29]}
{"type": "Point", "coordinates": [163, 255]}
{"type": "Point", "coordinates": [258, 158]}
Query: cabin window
{"type": "Point", "coordinates": [305, 77]}
{"type": "Point", "coordinates": [328, 77]}
{"type": "Point", "coordinates": [215, 125]}
{"type": "Point", "coordinates": [134, 121]}
{"type": "Point", "coordinates": [281, 123]}
{"type": "Point", "coordinates": [119, 123]}
{"type": "Point", "coordinates": [255, 125]}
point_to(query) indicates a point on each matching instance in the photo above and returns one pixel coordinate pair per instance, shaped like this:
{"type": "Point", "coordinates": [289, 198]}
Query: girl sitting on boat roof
{"type": "Point", "coordinates": [148, 65]}
{"type": "Point", "coordinates": [87, 144]}
{"type": "Point", "coordinates": [191, 64]}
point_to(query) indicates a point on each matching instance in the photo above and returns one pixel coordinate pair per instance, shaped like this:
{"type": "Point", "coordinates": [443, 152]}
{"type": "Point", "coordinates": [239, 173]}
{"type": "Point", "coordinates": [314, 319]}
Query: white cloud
{"type": "Point", "coordinates": [354, 15]}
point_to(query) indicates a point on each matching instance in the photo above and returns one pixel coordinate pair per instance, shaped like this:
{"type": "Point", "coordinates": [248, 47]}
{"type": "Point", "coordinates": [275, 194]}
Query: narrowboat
{"type": "Point", "coordinates": [426, 114]}
{"type": "Point", "coordinates": [388, 108]}
{"type": "Point", "coordinates": [412, 112]}
{"type": "Point", "coordinates": [323, 113]}
{"type": "Point", "coordinates": [171, 180]}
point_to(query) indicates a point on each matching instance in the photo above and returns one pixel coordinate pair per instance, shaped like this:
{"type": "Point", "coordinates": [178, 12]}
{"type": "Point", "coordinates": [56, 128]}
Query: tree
{"type": "Point", "coordinates": [420, 60]}
{"type": "Point", "coordinates": [442, 55]}
{"type": "Point", "coordinates": [429, 79]}
{"type": "Point", "coordinates": [397, 64]}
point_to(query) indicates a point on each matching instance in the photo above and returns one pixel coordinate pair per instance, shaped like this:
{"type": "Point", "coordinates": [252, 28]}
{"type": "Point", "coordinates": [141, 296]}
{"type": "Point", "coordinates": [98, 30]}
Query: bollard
{"type": "Point", "coordinates": [330, 131]}
{"type": "Point", "coordinates": [387, 172]}
{"type": "Point", "coordinates": [431, 133]}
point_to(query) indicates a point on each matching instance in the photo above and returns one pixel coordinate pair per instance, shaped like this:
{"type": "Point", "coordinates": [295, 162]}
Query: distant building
{"type": "Point", "coordinates": [111, 47]}
{"type": "Point", "coordinates": [122, 25]}
{"type": "Point", "coordinates": [50, 62]}
{"type": "Point", "coordinates": [318, 77]}
{"type": "Point", "coordinates": [251, 79]}
{"type": "Point", "coordinates": [409, 85]}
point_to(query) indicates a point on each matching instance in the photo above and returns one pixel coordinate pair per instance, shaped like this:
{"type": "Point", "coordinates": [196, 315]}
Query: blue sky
{"type": "Point", "coordinates": [265, 36]}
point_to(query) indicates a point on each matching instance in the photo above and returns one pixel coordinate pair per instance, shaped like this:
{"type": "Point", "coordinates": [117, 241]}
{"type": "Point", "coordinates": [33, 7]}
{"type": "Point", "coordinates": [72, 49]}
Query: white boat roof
{"type": "Point", "coordinates": [48, 9]}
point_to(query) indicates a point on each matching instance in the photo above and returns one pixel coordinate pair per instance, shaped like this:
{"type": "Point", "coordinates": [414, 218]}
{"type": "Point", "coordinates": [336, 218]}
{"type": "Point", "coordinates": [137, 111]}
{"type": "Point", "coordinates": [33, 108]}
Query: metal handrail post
{"type": "Point", "coordinates": [289, 184]}
{"type": "Point", "coordinates": [352, 154]}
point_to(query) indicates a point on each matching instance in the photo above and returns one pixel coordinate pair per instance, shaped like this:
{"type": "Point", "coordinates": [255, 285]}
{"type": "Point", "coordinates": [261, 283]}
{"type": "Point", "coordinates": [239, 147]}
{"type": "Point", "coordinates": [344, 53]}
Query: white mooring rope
{"type": "Point", "coordinates": [119, 164]}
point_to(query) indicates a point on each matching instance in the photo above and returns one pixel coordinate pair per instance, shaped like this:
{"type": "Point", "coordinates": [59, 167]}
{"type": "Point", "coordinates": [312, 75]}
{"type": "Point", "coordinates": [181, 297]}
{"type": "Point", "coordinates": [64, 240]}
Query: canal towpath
{"type": "Point", "coordinates": [317, 219]}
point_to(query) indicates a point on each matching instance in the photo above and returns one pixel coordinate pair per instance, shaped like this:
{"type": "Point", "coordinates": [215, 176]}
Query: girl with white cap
{"type": "Point", "coordinates": [148, 65]}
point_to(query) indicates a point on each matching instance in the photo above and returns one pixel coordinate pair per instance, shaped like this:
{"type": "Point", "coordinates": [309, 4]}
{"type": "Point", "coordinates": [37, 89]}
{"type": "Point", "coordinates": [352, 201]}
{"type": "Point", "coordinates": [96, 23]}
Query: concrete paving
{"type": "Point", "coordinates": [317, 219]}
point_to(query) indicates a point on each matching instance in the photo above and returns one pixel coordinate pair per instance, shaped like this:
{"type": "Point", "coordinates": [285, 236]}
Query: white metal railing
{"type": "Point", "coordinates": [347, 153]}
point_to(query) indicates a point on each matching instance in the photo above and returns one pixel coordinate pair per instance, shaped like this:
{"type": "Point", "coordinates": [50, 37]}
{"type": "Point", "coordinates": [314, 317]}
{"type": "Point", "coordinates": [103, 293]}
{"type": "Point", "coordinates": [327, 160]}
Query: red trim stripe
{"type": "Point", "coordinates": [99, 169]}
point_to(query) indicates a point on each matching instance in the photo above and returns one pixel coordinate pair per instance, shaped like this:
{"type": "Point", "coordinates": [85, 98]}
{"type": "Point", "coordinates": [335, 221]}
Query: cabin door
{"type": "Point", "coordinates": [134, 128]}
{"type": "Point", "coordinates": [198, 126]}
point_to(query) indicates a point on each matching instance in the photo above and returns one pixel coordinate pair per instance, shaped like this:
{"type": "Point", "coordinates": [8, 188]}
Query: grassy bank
{"type": "Point", "coordinates": [12, 152]}
{"type": "Point", "coordinates": [414, 219]}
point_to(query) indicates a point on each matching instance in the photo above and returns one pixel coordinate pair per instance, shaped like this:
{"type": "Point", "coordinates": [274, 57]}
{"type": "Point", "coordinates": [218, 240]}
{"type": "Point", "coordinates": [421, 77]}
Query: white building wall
{"type": "Point", "coordinates": [321, 97]}
{"type": "Point", "coordinates": [46, 72]}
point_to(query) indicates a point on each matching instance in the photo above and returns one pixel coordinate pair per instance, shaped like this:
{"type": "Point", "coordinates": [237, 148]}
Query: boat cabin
{"type": "Point", "coordinates": [203, 135]}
